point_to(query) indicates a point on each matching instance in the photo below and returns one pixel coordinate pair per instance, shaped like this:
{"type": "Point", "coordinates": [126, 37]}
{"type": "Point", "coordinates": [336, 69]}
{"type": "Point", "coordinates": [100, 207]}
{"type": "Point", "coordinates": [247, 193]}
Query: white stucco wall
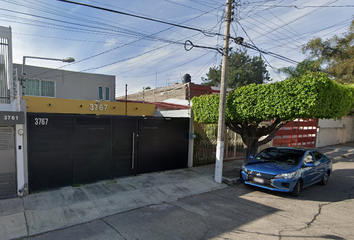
{"type": "Point", "coordinates": [331, 132]}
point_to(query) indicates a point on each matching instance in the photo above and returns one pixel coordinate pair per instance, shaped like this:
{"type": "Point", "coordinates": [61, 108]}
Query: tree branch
{"type": "Point", "coordinates": [269, 129]}
{"type": "Point", "coordinates": [271, 135]}
{"type": "Point", "coordinates": [235, 127]}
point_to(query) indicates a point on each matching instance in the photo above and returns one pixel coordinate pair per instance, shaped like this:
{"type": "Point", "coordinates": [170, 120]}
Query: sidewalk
{"type": "Point", "coordinates": [46, 211]}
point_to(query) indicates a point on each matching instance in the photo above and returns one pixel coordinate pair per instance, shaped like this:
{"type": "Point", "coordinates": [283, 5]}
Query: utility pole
{"type": "Point", "coordinates": [222, 104]}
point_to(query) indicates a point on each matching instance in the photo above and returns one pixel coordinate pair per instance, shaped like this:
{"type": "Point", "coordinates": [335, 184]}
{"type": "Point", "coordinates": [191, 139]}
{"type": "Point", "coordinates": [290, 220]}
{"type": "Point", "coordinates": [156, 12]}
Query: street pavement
{"type": "Point", "coordinates": [187, 204]}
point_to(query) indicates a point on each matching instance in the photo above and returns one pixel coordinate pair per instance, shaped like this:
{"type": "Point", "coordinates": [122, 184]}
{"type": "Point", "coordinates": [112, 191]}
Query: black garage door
{"type": "Point", "coordinates": [70, 149]}
{"type": "Point", "coordinates": [51, 151]}
{"type": "Point", "coordinates": [93, 151]}
{"type": "Point", "coordinates": [176, 143]}
{"type": "Point", "coordinates": [151, 153]}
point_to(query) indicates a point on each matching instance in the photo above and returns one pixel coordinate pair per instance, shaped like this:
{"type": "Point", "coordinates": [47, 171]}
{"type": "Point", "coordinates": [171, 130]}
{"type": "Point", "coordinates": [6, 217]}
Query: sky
{"type": "Point", "coordinates": [151, 51]}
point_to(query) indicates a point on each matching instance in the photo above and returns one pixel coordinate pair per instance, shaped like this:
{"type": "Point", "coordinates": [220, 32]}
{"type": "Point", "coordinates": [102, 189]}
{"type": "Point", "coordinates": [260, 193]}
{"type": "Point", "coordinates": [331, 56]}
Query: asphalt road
{"type": "Point", "coordinates": [236, 212]}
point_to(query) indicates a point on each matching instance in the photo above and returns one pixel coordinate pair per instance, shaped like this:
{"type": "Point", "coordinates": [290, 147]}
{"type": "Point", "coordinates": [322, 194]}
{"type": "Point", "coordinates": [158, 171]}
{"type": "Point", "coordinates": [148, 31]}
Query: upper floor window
{"type": "Point", "coordinates": [104, 93]}
{"type": "Point", "coordinates": [100, 93]}
{"type": "Point", "coordinates": [107, 93]}
{"type": "Point", "coordinates": [42, 88]}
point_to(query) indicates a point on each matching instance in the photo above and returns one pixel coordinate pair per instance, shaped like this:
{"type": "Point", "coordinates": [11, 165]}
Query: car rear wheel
{"type": "Point", "coordinates": [296, 190]}
{"type": "Point", "coordinates": [324, 179]}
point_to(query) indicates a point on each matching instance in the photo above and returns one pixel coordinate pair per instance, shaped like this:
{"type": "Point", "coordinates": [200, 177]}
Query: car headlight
{"type": "Point", "coordinates": [244, 169]}
{"type": "Point", "coordinates": [286, 175]}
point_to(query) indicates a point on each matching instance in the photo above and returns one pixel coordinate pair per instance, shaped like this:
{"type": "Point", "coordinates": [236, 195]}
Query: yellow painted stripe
{"type": "Point", "coordinates": [74, 106]}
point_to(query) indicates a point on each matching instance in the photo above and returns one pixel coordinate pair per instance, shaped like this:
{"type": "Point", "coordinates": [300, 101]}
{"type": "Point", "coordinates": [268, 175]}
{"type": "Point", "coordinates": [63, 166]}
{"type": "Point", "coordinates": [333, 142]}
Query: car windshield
{"type": "Point", "coordinates": [283, 156]}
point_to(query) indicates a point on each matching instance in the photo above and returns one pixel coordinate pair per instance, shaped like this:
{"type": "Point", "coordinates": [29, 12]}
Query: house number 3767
{"type": "Point", "coordinates": [98, 107]}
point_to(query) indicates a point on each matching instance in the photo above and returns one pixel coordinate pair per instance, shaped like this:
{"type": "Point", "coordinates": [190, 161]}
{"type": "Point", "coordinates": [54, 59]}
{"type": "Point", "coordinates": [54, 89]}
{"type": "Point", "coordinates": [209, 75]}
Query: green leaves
{"type": "Point", "coordinates": [312, 96]}
{"type": "Point", "coordinates": [242, 70]}
{"type": "Point", "coordinates": [335, 54]}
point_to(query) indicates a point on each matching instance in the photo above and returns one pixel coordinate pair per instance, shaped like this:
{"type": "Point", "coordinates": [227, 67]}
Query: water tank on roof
{"type": "Point", "coordinates": [186, 78]}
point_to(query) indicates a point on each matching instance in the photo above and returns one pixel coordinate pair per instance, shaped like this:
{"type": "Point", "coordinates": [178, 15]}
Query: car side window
{"type": "Point", "coordinates": [308, 158]}
{"type": "Point", "coordinates": [317, 155]}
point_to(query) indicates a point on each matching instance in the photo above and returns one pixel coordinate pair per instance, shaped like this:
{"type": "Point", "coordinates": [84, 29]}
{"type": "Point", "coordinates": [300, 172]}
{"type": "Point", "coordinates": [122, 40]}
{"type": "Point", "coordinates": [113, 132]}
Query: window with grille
{"type": "Point", "coordinates": [43, 88]}
{"type": "Point", "coordinates": [104, 93]}
{"type": "Point", "coordinates": [100, 93]}
{"type": "Point", "coordinates": [107, 93]}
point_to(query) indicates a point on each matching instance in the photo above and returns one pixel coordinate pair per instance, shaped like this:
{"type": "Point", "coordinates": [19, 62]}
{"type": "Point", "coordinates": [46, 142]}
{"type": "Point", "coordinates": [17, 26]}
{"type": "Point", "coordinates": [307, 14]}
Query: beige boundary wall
{"type": "Point", "coordinates": [332, 132]}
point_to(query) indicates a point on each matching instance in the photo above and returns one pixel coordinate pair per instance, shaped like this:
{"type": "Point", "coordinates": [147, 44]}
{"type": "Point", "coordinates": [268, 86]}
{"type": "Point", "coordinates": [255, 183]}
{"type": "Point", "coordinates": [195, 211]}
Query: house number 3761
{"type": "Point", "coordinates": [98, 107]}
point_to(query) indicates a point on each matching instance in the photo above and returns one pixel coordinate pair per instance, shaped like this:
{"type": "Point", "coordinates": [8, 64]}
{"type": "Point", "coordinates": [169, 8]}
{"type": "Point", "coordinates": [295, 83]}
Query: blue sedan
{"type": "Point", "coordinates": [284, 169]}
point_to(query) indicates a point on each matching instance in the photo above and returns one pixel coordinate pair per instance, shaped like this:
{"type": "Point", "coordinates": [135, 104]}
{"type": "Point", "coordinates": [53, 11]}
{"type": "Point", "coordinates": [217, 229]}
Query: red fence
{"type": "Point", "coordinates": [298, 133]}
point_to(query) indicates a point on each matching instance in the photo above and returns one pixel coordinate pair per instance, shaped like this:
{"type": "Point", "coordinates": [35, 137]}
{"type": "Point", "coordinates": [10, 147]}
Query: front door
{"type": "Point", "coordinates": [7, 163]}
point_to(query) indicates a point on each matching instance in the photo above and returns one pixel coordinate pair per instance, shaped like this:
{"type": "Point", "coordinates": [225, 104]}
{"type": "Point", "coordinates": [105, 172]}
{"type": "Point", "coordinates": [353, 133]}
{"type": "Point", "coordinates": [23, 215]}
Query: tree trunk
{"type": "Point", "coordinates": [250, 140]}
{"type": "Point", "coordinates": [250, 149]}
{"type": "Point", "coordinates": [252, 132]}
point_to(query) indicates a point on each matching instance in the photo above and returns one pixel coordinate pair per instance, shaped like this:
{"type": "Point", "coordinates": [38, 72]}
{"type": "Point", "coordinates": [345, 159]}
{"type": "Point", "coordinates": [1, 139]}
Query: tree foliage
{"type": "Point", "coordinates": [242, 70]}
{"type": "Point", "coordinates": [335, 54]}
{"type": "Point", "coordinates": [313, 95]}
{"type": "Point", "coordinates": [302, 68]}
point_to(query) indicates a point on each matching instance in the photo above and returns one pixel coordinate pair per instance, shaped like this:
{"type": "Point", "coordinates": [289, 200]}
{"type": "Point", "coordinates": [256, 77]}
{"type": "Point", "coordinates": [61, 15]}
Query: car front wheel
{"type": "Point", "coordinates": [324, 179]}
{"type": "Point", "coordinates": [296, 190]}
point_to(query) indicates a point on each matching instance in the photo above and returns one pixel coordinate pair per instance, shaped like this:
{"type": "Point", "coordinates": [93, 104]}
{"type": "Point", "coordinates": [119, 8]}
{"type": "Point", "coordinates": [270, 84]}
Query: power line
{"type": "Point", "coordinates": [303, 7]}
{"type": "Point", "coordinates": [145, 18]}
{"type": "Point", "coordinates": [151, 74]}
{"type": "Point", "coordinates": [129, 44]}
{"type": "Point", "coordinates": [256, 48]}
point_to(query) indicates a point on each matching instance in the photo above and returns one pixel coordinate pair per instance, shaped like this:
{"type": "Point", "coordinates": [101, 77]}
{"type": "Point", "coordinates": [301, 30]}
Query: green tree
{"type": "Point", "coordinates": [302, 68]}
{"type": "Point", "coordinates": [242, 70]}
{"type": "Point", "coordinates": [313, 95]}
{"type": "Point", "coordinates": [336, 54]}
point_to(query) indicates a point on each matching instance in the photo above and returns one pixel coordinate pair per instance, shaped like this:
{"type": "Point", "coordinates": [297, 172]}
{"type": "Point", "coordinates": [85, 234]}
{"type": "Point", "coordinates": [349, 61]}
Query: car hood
{"type": "Point", "coordinates": [270, 167]}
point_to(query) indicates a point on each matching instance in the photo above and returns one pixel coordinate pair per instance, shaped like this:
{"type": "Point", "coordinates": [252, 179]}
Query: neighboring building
{"type": "Point", "coordinates": [12, 118]}
{"type": "Point", "coordinates": [181, 91]}
{"type": "Point", "coordinates": [331, 132]}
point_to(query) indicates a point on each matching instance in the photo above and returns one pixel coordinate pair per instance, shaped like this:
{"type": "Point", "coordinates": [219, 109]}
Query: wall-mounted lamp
{"type": "Point", "coordinates": [20, 132]}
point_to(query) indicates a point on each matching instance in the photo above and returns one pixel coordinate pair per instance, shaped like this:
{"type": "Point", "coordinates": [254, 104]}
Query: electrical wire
{"type": "Point", "coordinates": [142, 17]}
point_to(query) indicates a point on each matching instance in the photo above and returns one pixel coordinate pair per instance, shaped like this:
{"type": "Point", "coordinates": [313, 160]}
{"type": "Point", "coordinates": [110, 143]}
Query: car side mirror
{"type": "Point", "coordinates": [309, 164]}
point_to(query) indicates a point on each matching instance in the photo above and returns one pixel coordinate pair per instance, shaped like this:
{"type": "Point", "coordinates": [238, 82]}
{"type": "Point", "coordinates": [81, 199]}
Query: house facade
{"type": "Point", "coordinates": [12, 120]}
{"type": "Point", "coordinates": [61, 128]}
{"type": "Point", "coordinates": [56, 83]}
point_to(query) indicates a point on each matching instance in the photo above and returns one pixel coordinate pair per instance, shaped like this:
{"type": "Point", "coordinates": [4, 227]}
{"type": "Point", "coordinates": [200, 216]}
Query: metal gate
{"type": "Point", "coordinates": [162, 144]}
{"type": "Point", "coordinates": [297, 133]}
{"type": "Point", "coordinates": [7, 163]}
{"type": "Point", "coordinates": [151, 153]}
{"type": "Point", "coordinates": [124, 146]}
{"type": "Point", "coordinates": [93, 151]}
{"type": "Point", "coordinates": [51, 151]}
{"type": "Point", "coordinates": [176, 143]}
{"type": "Point", "coordinates": [71, 149]}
